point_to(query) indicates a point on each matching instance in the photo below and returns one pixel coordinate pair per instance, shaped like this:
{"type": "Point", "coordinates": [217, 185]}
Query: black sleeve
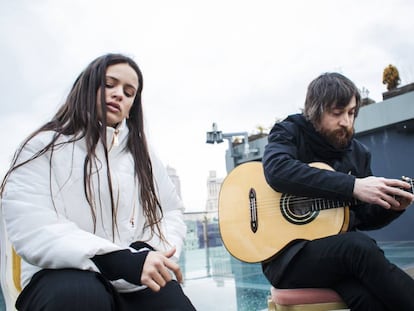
{"type": "Point", "coordinates": [285, 172]}
{"type": "Point", "coordinates": [123, 264]}
{"type": "Point", "coordinates": [372, 217]}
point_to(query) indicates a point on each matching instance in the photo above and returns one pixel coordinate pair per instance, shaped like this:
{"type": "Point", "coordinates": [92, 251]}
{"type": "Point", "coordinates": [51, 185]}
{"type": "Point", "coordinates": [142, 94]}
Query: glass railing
{"type": "Point", "coordinates": [214, 280]}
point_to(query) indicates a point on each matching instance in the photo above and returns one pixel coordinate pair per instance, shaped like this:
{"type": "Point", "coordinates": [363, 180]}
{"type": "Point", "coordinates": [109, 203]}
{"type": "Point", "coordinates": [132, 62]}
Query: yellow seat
{"type": "Point", "coordinates": [10, 270]}
{"type": "Point", "coordinates": [16, 268]}
{"type": "Point", "coordinates": [305, 299]}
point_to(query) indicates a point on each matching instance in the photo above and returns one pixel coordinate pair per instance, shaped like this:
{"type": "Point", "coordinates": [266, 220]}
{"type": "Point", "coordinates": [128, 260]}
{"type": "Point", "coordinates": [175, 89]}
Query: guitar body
{"type": "Point", "coordinates": [257, 222]}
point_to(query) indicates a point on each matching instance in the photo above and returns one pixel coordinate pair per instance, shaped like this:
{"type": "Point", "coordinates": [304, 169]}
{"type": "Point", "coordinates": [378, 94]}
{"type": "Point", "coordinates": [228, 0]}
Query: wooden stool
{"type": "Point", "coordinates": [305, 299]}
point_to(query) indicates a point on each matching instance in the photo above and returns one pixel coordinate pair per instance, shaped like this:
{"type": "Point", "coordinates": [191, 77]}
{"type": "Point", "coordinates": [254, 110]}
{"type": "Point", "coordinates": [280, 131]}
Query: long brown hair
{"type": "Point", "coordinates": [78, 117]}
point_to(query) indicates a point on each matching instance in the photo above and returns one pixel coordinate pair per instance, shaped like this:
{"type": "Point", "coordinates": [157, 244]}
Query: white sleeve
{"type": "Point", "coordinates": [40, 235]}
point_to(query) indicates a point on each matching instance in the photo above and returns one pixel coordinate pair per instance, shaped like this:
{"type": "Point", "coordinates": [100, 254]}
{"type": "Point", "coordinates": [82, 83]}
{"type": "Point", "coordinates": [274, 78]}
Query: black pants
{"type": "Point", "coordinates": [354, 266]}
{"type": "Point", "coordinates": [77, 290]}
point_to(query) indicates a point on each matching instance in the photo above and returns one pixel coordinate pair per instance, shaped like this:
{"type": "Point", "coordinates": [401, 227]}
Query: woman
{"type": "Point", "coordinates": [90, 209]}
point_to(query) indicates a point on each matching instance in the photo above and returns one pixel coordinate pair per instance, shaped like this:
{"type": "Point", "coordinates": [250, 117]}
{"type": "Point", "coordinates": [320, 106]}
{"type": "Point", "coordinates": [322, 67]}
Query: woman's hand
{"type": "Point", "coordinates": [158, 269]}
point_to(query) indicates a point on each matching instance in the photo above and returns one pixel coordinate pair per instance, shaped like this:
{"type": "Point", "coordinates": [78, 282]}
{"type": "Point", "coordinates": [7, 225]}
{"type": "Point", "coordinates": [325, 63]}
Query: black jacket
{"type": "Point", "coordinates": [293, 144]}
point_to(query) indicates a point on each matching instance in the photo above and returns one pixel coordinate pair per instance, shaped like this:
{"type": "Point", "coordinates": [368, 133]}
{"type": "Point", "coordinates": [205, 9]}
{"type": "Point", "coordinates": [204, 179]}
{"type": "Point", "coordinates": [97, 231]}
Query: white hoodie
{"type": "Point", "coordinates": [59, 232]}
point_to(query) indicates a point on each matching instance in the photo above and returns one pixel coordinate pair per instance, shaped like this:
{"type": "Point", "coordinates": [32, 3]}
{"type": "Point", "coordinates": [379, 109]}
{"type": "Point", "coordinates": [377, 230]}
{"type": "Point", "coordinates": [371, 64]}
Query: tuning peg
{"type": "Point", "coordinates": [407, 179]}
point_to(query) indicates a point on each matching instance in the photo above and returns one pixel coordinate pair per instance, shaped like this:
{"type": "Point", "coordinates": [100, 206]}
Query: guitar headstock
{"type": "Point", "coordinates": [410, 181]}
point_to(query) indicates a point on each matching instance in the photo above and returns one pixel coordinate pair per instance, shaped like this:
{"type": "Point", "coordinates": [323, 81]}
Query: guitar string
{"type": "Point", "coordinates": [301, 202]}
{"type": "Point", "coordinates": [269, 205]}
{"type": "Point", "coordinates": [269, 212]}
{"type": "Point", "coordinates": [304, 201]}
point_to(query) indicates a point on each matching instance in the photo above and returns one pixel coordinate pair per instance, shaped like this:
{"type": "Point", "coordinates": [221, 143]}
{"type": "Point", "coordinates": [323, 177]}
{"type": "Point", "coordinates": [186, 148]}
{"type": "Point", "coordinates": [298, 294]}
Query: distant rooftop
{"type": "Point", "coordinates": [391, 111]}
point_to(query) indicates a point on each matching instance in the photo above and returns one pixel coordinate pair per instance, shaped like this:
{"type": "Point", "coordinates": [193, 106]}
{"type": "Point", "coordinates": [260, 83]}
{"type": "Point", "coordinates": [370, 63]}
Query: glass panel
{"type": "Point", "coordinates": [214, 280]}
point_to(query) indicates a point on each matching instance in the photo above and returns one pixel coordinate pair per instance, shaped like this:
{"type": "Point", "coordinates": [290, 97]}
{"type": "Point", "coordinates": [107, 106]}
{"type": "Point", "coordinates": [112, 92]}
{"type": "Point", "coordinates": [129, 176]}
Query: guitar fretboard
{"type": "Point", "coordinates": [319, 204]}
{"type": "Point", "coordinates": [323, 204]}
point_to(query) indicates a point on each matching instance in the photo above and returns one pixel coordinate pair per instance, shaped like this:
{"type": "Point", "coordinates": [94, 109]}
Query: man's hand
{"type": "Point", "coordinates": [157, 269]}
{"type": "Point", "coordinates": [384, 192]}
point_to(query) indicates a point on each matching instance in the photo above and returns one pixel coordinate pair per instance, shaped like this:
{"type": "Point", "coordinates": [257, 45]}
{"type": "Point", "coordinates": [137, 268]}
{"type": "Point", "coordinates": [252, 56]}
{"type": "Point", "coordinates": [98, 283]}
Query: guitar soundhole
{"type": "Point", "coordinates": [296, 210]}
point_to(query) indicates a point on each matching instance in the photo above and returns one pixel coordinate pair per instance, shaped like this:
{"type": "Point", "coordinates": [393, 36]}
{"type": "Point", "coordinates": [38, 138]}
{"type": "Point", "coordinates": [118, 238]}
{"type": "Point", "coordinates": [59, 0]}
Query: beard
{"type": "Point", "coordinates": [338, 138]}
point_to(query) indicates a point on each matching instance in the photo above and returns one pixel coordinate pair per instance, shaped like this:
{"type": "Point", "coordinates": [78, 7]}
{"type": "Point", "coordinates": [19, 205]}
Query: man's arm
{"type": "Point", "coordinates": [287, 173]}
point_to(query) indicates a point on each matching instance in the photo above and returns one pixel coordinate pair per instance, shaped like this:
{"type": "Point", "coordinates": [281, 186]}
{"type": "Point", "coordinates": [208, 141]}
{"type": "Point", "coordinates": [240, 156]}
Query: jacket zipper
{"type": "Point", "coordinates": [115, 140]}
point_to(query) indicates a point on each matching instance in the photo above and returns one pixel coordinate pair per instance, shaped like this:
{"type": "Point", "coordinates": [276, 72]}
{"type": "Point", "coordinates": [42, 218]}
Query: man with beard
{"type": "Point", "coordinates": [350, 263]}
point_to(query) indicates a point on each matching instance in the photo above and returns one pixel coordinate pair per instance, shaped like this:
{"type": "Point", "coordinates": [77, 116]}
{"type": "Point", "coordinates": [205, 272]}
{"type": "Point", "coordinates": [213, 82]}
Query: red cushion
{"type": "Point", "coordinates": [299, 296]}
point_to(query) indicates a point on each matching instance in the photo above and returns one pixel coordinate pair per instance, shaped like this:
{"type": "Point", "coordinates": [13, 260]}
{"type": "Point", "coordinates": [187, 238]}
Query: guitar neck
{"type": "Point", "coordinates": [410, 181]}
{"type": "Point", "coordinates": [323, 204]}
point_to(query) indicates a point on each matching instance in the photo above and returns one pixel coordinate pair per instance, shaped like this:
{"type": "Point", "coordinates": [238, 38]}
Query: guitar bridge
{"type": "Point", "coordinates": [253, 210]}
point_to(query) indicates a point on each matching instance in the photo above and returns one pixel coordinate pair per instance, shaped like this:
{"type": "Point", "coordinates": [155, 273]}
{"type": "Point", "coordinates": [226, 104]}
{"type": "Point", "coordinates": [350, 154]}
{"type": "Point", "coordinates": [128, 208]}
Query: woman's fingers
{"type": "Point", "coordinates": [175, 268]}
{"type": "Point", "coordinates": [158, 268]}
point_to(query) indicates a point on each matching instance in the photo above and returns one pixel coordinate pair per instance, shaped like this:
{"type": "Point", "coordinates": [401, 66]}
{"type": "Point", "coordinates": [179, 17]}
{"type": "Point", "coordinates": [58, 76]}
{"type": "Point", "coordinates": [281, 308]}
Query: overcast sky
{"type": "Point", "coordinates": [241, 64]}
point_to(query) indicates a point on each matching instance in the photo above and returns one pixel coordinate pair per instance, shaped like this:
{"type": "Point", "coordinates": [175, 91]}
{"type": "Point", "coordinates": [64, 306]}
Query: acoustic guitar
{"type": "Point", "coordinates": [257, 222]}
